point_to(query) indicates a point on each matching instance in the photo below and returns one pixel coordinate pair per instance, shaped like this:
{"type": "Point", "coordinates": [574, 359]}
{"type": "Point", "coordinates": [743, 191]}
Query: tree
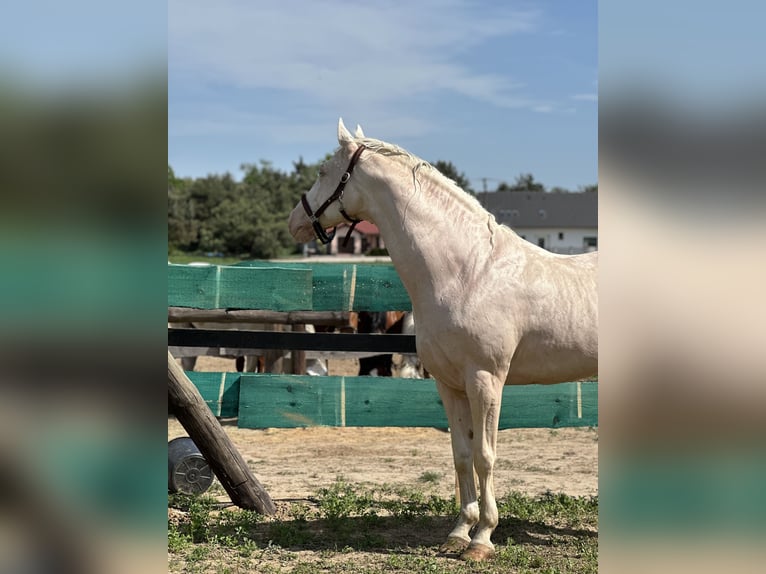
{"type": "Point", "coordinates": [182, 227]}
{"type": "Point", "coordinates": [593, 188]}
{"type": "Point", "coordinates": [172, 179]}
{"type": "Point", "coordinates": [523, 182]}
{"type": "Point", "coordinates": [526, 182]}
{"type": "Point", "coordinates": [254, 223]}
{"type": "Point", "coordinates": [447, 169]}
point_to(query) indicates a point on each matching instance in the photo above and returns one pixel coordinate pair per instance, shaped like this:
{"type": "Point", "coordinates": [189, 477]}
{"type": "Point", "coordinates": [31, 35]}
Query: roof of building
{"type": "Point", "coordinates": [525, 209]}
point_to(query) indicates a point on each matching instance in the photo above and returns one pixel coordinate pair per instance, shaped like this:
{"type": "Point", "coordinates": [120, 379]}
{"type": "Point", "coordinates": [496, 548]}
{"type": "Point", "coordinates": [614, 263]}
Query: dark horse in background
{"type": "Point", "coordinates": [391, 322]}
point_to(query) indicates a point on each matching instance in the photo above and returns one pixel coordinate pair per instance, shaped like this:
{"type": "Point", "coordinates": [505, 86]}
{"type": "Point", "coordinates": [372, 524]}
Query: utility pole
{"type": "Point", "coordinates": [484, 192]}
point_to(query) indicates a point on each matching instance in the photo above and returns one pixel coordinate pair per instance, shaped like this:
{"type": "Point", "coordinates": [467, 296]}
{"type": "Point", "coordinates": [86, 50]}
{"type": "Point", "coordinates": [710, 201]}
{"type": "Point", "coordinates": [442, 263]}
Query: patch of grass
{"type": "Point", "coordinates": [430, 476]}
{"type": "Point", "coordinates": [343, 499]}
{"type": "Point", "coordinates": [518, 556]}
{"type": "Point", "coordinates": [291, 534]}
{"type": "Point", "coordinates": [360, 529]}
{"type": "Point", "coordinates": [571, 510]}
{"type": "Point", "coordinates": [178, 541]}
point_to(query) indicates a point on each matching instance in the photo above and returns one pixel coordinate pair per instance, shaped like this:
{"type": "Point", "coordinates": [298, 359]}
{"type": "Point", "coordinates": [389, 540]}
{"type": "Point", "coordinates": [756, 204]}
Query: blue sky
{"type": "Point", "coordinates": [51, 44]}
{"type": "Point", "coordinates": [498, 88]}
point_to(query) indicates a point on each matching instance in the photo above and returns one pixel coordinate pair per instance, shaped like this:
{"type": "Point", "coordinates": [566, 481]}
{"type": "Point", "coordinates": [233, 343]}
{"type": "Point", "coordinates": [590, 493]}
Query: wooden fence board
{"type": "Point", "coordinates": [190, 286]}
{"type": "Point", "coordinates": [286, 401]}
{"type": "Point", "coordinates": [221, 287]}
{"type": "Point", "coordinates": [351, 286]}
{"type": "Point", "coordinates": [276, 289]}
{"type": "Point", "coordinates": [220, 391]}
{"type": "Point", "coordinates": [354, 287]}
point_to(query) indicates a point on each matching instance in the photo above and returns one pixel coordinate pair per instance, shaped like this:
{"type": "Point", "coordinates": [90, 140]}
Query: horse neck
{"type": "Point", "coordinates": [436, 235]}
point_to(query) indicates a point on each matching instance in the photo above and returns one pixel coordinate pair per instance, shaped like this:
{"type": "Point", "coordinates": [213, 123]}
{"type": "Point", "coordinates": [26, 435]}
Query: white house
{"type": "Point", "coordinates": [558, 222]}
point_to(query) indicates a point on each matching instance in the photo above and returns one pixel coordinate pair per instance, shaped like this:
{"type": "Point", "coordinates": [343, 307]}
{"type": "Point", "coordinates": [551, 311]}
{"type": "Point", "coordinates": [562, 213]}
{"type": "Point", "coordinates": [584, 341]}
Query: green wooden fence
{"type": "Point", "coordinates": [266, 400]}
{"type": "Point", "coordinates": [288, 287]}
{"type": "Point", "coordinates": [286, 401]}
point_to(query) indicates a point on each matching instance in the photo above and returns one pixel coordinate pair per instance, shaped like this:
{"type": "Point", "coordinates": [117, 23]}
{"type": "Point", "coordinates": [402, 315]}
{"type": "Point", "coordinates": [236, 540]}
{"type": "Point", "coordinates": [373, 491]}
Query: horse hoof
{"type": "Point", "coordinates": [478, 553]}
{"type": "Point", "coordinates": [454, 545]}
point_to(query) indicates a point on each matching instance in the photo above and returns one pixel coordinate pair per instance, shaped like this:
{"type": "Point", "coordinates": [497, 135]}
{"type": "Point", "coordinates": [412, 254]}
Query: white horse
{"type": "Point", "coordinates": [491, 309]}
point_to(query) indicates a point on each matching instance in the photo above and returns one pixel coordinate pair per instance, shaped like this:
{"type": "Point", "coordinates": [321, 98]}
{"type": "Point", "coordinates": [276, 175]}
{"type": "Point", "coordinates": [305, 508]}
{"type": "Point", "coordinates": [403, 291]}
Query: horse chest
{"type": "Point", "coordinates": [447, 350]}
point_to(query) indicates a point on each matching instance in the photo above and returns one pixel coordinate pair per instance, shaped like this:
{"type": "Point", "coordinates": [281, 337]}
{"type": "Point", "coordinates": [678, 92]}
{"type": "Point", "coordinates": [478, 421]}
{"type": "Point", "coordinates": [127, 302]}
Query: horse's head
{"type": "Point", "coordinates": [334, 197]}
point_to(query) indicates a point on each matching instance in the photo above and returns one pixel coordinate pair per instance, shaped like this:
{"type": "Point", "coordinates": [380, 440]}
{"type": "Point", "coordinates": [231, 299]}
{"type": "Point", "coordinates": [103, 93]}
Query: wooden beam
{"type": "Point", "coordinates": [323, 318]}
{"type": "Point", "coordinates": [179, 352]}
{"type": "Point", "coordinates": [214, 444]}
{"type": "Point", "coordinates": [299, 356]}
{"type": "Point", "coordinates": [377, 343]}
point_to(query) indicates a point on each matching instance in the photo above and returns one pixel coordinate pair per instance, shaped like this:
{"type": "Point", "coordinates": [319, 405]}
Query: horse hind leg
{"type": "Point", "coordinates": [459, 417]}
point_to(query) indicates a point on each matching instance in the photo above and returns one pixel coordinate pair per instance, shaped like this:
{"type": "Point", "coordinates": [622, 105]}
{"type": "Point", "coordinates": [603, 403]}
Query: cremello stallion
{"type": "Point", "coordinates": [491, 309]}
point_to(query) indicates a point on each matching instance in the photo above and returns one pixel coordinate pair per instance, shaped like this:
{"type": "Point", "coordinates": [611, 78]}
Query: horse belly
{"type": "Point", "coordinates": [545, 364]}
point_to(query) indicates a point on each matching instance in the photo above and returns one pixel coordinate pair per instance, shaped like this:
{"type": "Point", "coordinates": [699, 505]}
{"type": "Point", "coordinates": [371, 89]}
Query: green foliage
{"type": "Point", "coordinates": [448, 169]}
{"type": "Point", "coordinates": [523, 182]}
{"type": "Point", "coordinates": [247, 218]}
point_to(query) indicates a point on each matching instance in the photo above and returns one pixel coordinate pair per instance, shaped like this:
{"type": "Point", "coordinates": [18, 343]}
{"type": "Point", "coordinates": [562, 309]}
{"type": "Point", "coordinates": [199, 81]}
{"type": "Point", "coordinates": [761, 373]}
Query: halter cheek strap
{"type": "Point", "coordinates": [337, 195]}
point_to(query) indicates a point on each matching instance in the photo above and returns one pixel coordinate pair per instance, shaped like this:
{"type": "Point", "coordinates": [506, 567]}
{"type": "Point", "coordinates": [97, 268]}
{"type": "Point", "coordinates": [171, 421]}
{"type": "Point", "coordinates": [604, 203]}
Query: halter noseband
{"type": "Point", "coordinates": [337, 195]}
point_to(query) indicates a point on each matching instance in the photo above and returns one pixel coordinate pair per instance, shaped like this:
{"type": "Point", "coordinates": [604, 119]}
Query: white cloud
{"type": "Point", "coordinates": [343, 52]}
{"type": "Point", "coordinates": [591, 97]}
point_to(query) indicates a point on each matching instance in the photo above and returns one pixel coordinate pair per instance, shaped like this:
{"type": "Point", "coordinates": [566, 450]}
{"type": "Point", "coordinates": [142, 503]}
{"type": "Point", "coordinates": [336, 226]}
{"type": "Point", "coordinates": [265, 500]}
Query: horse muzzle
{"type": "Point", "coordinates": [300, 225]}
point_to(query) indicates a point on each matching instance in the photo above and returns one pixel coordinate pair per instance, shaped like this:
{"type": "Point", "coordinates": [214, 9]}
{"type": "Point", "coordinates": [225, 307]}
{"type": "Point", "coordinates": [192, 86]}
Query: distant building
{"type": "Point", "coordinates": [364, 238]}
{"type": "Point", "coordinates": [558, 222]}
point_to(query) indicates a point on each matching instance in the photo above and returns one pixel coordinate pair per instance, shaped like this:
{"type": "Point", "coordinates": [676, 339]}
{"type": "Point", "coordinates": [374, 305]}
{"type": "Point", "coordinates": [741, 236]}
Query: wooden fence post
{"type": "Point", "coordinates": [299, 356]}
{"type": "Point", "coordinates": [214, 444]}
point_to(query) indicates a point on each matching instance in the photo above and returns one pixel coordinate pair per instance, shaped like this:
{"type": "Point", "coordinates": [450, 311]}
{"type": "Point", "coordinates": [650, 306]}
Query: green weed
{"type": "Point", "coordinates": [430, 476]}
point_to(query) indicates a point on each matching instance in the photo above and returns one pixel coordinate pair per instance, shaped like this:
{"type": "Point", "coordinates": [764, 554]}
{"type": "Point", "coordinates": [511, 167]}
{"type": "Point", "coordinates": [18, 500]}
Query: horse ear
{"type": "Point", "coordinates": [358, 133]}
{"type": "Point", "coordinates": [344, 136]}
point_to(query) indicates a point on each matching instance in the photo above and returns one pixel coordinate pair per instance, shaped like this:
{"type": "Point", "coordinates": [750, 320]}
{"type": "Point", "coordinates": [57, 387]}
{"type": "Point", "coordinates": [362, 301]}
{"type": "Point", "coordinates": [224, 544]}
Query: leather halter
{"type": "Point", "coordinates": [337, 195]}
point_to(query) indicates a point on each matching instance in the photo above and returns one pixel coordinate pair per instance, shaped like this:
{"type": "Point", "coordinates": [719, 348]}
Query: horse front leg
{"type": "Point", "coordinates": [460, 422]}
{"type": "Point", "coordinates": [485, 392]}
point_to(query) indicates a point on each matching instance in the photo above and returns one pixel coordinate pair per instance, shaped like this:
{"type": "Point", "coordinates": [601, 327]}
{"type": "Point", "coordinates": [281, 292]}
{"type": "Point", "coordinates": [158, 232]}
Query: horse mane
{"type": "Point", "coordinates": [418, 164]}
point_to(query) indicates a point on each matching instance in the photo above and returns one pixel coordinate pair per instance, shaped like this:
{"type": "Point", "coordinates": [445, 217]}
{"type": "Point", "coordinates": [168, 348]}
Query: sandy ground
{"type": "Point", "coordinates": [296, 463]}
